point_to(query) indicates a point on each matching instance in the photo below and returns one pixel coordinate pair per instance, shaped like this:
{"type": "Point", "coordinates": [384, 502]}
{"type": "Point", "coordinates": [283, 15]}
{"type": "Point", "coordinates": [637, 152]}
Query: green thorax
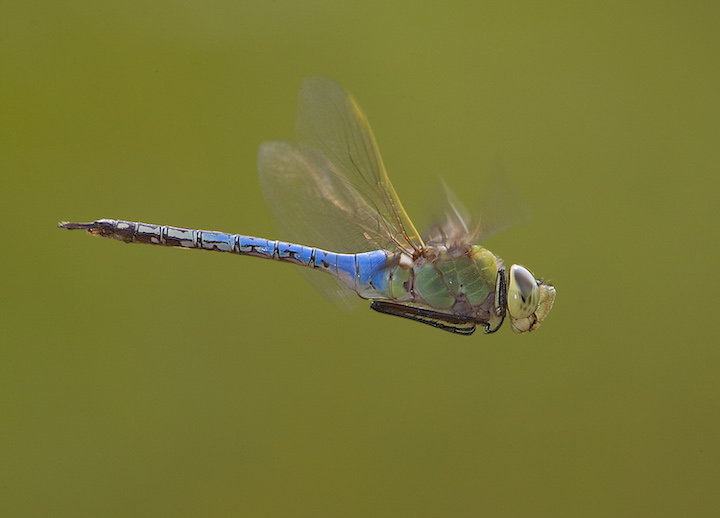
{"type": "Point", "coordinates": [444, 279]}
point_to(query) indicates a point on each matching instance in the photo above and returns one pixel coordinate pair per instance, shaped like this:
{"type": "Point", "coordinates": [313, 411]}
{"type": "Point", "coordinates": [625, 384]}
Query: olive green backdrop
{"type": "Point", "coordinates": [138, 381]}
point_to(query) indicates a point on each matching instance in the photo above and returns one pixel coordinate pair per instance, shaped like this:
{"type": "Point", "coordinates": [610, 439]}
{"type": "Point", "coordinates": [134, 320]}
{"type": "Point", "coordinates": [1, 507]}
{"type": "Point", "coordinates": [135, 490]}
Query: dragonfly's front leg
{"type": "Point", "coordinates": [500, 302]}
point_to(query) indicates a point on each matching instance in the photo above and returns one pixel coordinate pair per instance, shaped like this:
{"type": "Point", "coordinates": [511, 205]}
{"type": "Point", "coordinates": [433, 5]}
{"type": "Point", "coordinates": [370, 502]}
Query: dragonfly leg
{"type": "Point", "coordinates": [442, 321]}
{"type": "Point", "coordinates": [500, 301]}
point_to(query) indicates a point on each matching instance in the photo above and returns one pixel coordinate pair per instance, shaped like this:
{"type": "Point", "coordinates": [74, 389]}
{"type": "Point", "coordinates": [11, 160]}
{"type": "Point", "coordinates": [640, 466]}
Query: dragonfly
{"type": "Point", "coordinates": [329, 188]}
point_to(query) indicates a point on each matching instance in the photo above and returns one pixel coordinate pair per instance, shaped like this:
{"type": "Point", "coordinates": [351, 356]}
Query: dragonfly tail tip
{"type": "Point", "coordinates": [76, 226]}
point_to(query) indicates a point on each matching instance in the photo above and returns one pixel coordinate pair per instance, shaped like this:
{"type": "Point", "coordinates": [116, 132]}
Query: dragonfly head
{"type": "Point", "coordinates": [528, 300]}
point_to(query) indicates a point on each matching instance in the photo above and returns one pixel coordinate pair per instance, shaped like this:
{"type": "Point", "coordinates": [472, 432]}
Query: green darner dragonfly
{"type": "Point", "coordinates": [329, 188]}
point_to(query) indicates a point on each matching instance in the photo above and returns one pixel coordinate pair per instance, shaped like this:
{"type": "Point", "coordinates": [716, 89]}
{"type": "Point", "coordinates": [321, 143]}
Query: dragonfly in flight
{"type": "Point", "coordinates": [329, 188]}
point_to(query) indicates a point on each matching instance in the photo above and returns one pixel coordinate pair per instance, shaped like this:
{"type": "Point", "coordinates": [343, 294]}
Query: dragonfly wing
{"type": "Point", "coordinates": [314, 202]}
{"type": "Point", "coordinates": [452, 220]}
{"type": "Point", "coordinates": [297, 183]}
{"type": "Point", "coordinates": [330, 121]}
{"type": "Point", "coordinates": [330, 189]}
{"type": "Point", "coordinates": [501, 206]}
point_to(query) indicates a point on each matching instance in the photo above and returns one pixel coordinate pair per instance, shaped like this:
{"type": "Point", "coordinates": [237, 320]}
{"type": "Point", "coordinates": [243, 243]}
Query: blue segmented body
{"type": "Point", "coordinates": [366, 273]}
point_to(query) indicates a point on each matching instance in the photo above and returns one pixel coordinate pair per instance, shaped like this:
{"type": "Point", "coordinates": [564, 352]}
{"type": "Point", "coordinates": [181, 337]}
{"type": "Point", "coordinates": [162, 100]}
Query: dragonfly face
{"type": "Point", "coordinates": [529, 300]}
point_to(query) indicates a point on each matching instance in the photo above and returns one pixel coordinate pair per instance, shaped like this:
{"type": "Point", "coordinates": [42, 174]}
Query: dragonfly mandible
{"type": "Point", "coordinates": [330, 189]}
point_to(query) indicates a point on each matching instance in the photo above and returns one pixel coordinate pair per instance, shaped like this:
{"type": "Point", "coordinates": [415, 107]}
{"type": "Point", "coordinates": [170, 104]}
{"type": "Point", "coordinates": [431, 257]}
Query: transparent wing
{"type": "Point", "coordinates": [315, 203]}
{"type": "Point", "coordinates": [453, 222]}
{"type": "Point", "coordinates": [501, 206]}
{"type": "Point", "coordinates": [316, 208]}
{"type": "Point", "coordinates": [330, 189]}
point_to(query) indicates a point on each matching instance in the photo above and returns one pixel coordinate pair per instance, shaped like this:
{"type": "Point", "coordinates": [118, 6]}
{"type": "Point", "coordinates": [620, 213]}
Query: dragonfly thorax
{"type": "Point", "coordinates": [453, 280]}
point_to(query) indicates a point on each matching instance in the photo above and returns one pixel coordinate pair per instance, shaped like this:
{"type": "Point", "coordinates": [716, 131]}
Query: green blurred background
{"type": "Point", "coordinates": [137, 381]}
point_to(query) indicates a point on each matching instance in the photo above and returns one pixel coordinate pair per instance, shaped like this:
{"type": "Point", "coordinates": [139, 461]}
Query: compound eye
{"type": "Point", "coordinates": [523, 293]}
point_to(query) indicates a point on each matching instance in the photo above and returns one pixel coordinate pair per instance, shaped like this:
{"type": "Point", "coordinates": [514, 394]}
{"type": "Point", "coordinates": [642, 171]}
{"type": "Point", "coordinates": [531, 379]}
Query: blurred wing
{"type": "Point", "coordinates": [453, 222]}
{"type": "Point", "coordinates": [501, 207]}
{"type": "Point", "coordinates": [330, 188]}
